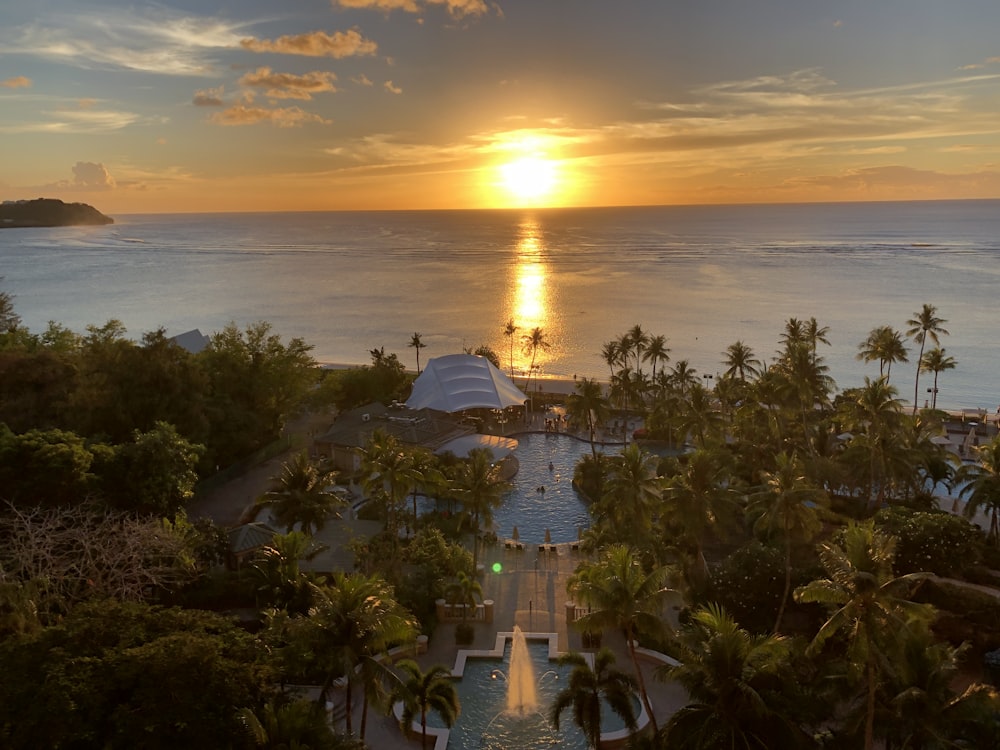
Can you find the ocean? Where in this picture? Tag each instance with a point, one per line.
(703, 276)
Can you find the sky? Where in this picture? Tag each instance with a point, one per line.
(247, 105)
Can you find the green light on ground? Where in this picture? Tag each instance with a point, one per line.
(497, 567)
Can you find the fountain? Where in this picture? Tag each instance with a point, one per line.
(522, 696)
(504, 704)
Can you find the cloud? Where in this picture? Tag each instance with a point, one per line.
(91, 176)
(288, 85)
(457, 8)
(362, 80)
(338, 45)
(17, 82)
(392, 89)
(152, 42)
(282, 117)
(209, 97)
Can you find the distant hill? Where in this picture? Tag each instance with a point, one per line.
(49, 212)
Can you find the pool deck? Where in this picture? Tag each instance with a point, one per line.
(529, 592)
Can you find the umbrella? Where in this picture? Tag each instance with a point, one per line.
(548, 537)
(515, 535)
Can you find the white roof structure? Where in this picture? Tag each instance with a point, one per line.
(457, 382)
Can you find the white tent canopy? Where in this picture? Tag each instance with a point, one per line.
(457, 382)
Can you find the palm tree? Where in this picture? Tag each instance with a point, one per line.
(794, 333)
(509, 331)
(300, 495)
(622, 595)
(656, 351)
(886, 345)
(636, 341)
(869, 606)
(421, 692)
(588, 686)
(480, 489)
(632, 490)
(816, 334)
(532, 343)
(588, 406)
(699, 501)
(924, 325)
(464, 590)
(787, 502)
(936, 361)
(982, 485)
(740, 361)
(388, 475)
(279, 578)
(351, 626)
(873, 411)
(417, 344)
(730, 676)
(282, 724)
(683, 376)
(628, 390)
(611, 353)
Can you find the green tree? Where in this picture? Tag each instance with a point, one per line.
(277, 574)
(656, 352)
(733, 679)
(869, 607)
(981, 484)
(633, 491)
(588, 687)
(740, 361)
(787, 503)
(622, 595)
(588, 406)
(936, 361)
(875, 413)
(301, 494)
(480, 489)
(45, 467)
(510, 330)
(924, 325)
(9, 319)
(531, 344)
(352, 624)
(388, 475)
(282, 724)
(464, 590)
(884, 344)
(416, 343)
(421, 692)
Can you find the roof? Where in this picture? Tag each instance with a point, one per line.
(462, 446)
(457, 382)
(194, 340)
(250, 536)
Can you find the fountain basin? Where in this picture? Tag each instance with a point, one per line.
(488, 721)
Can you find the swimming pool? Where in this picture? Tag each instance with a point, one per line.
(559, 508)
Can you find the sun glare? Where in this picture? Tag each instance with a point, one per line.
(530, 179)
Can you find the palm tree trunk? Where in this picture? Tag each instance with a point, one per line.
(423, 728)
(364, 715)
(642, 682)
(870, 713)
(788, 581)
(916, 381)
(348, 724)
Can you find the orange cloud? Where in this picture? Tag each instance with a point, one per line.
(17, 82)
(289, 86)
(208, 97)
(391, 88)
(338, 45)
(282, 117)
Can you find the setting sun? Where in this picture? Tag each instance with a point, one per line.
(529, 179)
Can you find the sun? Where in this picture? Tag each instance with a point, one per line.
(530, 179)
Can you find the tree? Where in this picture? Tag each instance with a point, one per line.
(46, 467)
(740, 361)
(816, 334)
(875, 413)
(636, 341)
(732, 678)
(480, 489)
(509, 331)
(588, 406)
(9, 320)
(981, 482)
(656, 351)
(301, 494)
(353, 622)
(787, 502)
(388, 475)
(533, 343)
(464, 590)
(612, 354)
(886, 345)
(417, 344)
(280, 581)
(588, 687)
(622, 595)
(420, 692)
(633, 491)
(282, 724)
(924, 325)
(870, 608)
(936, 361)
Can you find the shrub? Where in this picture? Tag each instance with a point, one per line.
(748, 584)
(931, 542)
(464, 633)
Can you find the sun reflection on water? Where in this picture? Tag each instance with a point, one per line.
(531, 304)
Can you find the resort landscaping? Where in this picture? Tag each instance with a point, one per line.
(765, 562)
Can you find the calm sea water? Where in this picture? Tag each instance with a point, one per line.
(348, 282)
